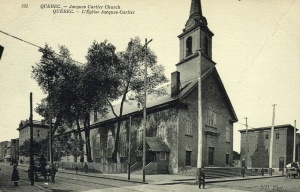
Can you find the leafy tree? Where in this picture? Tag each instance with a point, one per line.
(64, 145)
(100, 80)
(129, 71)
(60, 77)
(38, 147)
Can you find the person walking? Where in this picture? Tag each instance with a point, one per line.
(86, 168)
(15, 176)
(201, 178)
(243, 171)
(262, 171)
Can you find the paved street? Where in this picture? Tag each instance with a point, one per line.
(71, 182)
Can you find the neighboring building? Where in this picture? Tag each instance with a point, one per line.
(40, 131)
(259, 146)
(4, 150)
(15, 149)
(172, 119)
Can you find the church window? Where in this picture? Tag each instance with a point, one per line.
(140, 133)
(97, 147)
(110, 144)
(211, 118)
(189, 46)
(206, 45)
(188, 126)
(123, 144)
(161, 130)
(227, 134)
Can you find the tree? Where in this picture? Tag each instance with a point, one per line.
(100, 80)
(64, 145)
(129, 70)
(60, 77)
(38, 147)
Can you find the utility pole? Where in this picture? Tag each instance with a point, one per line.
(271, 142)
(129, 148)
(200, 130)
(31, 174)
(294, 151)
(247, 146)
(145, 99)
(1, 51)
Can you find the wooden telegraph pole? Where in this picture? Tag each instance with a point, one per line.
(31, 144)
(145, 99)
(271, 142)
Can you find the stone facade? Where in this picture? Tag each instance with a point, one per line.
(173, 117)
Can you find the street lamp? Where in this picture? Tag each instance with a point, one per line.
(145, 99)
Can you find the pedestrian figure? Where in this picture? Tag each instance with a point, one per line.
(15, 176)
(76, 169)
(52, 171)
(201, 178)
(86, 168)
(243, 171)
(262, 171)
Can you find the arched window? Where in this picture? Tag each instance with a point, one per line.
(110, 144)
(188, 125)
(206, 45)
(161, 130)
(227, 134)
(140, 133)
(189, 46)
(123, 143)
(98, 141)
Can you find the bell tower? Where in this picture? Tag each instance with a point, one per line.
(196, 38)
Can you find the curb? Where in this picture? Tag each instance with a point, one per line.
(102, 177)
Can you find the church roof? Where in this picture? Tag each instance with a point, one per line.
(130, 107)
(155, 144)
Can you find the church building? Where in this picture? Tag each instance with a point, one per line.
(173, 119)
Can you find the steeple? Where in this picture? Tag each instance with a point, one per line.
(196, 17)
(195, 36)
(196, 9)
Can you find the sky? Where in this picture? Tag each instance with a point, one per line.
(256, 46)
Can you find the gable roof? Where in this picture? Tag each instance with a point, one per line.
(155, 144)
(130, 107)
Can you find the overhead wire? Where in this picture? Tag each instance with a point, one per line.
(15, 37)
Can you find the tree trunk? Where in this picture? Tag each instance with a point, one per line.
(80, 139)
(117, 138)
(87, 137)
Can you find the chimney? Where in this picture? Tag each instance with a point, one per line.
(175, 83)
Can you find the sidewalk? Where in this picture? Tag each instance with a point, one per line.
(161, 179)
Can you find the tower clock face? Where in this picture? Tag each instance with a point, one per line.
(190, 23)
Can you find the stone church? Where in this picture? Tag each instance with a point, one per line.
(172, 119)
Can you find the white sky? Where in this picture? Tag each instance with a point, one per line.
(256, 47)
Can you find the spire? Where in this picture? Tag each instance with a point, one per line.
(196, 9)
(196, 14)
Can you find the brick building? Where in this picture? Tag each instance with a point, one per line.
(40, 131)
(4, 150)
(259, 146)
(172, 119)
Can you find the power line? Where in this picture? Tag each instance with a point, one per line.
(34, 44)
